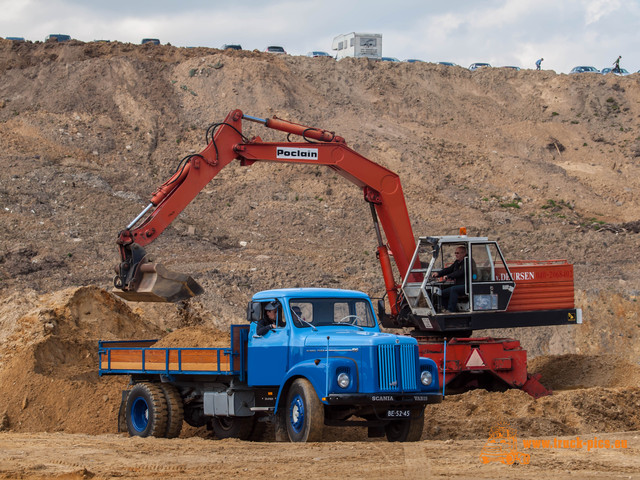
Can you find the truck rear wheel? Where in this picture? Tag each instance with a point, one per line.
(304, 415)
(146, 411)
(409, 430)
(175, 409)
(233, 427)
(258, 433)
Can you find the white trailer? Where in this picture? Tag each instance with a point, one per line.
(357, 45)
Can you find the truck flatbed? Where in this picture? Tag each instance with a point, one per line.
(139, 356)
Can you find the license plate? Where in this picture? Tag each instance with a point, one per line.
(398, 413)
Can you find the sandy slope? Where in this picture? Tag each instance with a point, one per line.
(546, 163)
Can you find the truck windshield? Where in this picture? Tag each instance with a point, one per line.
(321, 312)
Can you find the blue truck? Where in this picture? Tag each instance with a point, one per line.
(323, 361)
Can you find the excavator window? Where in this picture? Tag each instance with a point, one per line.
(489, 263)
(490, 278)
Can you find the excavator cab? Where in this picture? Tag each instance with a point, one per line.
(488, 284)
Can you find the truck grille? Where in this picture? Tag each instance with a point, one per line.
(397, 368)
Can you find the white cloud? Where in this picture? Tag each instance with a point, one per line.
(596, 9)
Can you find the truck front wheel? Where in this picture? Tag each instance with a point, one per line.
(409, 430)
(233, 427)
(146, 411)
(304, 416)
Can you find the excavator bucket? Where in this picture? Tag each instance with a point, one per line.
(156, 283)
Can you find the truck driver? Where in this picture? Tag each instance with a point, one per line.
(269, 320)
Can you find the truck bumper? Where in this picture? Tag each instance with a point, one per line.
(382, 399)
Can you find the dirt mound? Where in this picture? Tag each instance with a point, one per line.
(195, 337)
(49, 364)
(592, 393)
(49, 357)
(474, 414)
(571, 371)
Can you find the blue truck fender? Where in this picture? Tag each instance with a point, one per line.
(316, 373)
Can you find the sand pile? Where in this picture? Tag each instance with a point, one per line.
(49, 365)
(195, 337)
(598, 393)
(473, 414)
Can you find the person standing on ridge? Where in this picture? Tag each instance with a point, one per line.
(538, 63)
(616, 64)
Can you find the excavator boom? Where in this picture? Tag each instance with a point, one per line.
(139, 278)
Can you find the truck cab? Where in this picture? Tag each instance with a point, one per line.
(330, 339)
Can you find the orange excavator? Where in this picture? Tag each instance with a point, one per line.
(491, 293)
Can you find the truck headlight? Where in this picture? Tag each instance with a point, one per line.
(426, 378)
(343, 380)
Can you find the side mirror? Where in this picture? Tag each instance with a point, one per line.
(254, 310)
(381, 310)
(383, 318)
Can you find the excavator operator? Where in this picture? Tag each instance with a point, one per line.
(455, 272)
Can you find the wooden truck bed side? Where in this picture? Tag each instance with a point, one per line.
(139, 356)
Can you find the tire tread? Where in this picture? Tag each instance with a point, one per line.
(175, 409)
(157, 405)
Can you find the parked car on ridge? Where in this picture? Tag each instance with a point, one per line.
(448, 64)
(476, 66)
(231, 46)
(153, 41)
(57, 37)
(583, 69)
(623, 72)
(316, 53)
(511, 67)
(275, 49)
(15, 39)
(413, 60)
(389, 59)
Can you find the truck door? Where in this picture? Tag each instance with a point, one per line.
(268, 355)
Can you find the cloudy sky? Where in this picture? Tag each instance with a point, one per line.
(502, 32)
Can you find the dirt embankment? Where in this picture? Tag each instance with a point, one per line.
(546, 164)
